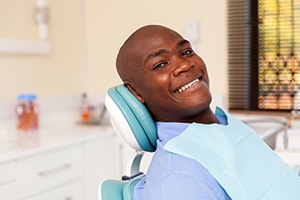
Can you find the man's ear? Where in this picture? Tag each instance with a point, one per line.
(135, 92)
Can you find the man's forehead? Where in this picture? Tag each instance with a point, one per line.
(149, 39)
(143, 42)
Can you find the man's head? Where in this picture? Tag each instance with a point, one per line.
(161, 69)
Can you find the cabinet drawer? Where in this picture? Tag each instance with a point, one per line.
(40, 172)
(72, 191)
(8, 191)
(7, 172)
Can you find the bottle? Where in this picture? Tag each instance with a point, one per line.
(27, 112)
(85, 109)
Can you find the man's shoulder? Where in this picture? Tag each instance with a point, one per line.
(165, 163)
(172, 172)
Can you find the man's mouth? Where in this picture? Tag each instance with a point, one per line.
(188, 85)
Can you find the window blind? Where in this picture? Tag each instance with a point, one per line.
(239, 53)
(263, 54)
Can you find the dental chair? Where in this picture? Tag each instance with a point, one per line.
(132, 121)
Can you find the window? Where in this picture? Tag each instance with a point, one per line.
(264, 49)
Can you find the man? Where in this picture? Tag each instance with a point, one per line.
(200, 155)
(161, 69)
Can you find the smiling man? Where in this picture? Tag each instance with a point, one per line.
(163, 72)
(200, 155)
(161, 69)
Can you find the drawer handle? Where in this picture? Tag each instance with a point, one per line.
(68, 198)
(51, 171)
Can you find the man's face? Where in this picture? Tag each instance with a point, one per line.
(171, 78)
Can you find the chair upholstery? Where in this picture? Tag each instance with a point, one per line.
(132, 121)
(118, 189)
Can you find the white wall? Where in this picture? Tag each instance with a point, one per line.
(56, 73)
(109, 23)
(86, 34)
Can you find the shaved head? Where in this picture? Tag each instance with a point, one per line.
(130, 57)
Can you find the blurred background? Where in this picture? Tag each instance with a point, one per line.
(84, 37)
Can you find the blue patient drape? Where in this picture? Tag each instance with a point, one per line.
(238, 159)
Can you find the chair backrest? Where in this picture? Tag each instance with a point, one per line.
(132, 121)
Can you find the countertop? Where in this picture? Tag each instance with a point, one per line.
(22, 144)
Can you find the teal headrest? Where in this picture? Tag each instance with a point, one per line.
(131, 119)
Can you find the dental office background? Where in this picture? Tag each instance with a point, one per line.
(59, 49)
(84, 38)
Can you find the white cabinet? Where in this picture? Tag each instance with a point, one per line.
(7, 172)
(7, 181)
(105, 158)
(70, 191)
(99, 164)
(48, 170)
(65, 166)
(8, 190)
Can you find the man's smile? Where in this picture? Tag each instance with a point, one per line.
(188, 85)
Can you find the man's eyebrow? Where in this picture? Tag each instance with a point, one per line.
(162, 51)
(182, 42)
(156, 53)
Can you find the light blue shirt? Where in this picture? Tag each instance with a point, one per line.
(174, 177)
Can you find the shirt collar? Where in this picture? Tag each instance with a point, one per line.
(169, 130)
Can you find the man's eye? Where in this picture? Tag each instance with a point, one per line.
(187, 52)
(159, 65)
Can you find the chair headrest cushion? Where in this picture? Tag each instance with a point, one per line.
(131, 119)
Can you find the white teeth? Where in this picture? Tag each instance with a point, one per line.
(188, 85)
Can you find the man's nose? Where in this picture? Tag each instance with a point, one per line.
(181, 66)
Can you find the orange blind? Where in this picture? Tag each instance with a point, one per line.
(279, 51)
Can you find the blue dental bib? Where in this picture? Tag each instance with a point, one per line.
(238, 159)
